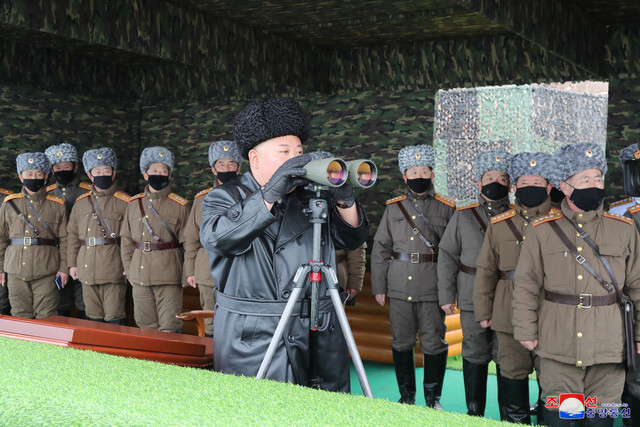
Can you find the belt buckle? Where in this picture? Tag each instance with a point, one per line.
(580, 260)
(582, 296)
(92, 241)
(414, 257)
(146, 246)
(27, 241)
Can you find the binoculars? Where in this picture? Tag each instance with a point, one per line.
(335, 172)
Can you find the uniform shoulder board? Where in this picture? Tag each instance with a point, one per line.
(621, 202)
(618, 217)
(178, 199)
(504, 215)
(467, 205)
(552, 215)
(7, 192)
(122, 196)
(138, 196)
(634, 209)
(13, 196)
(203, 192)
(83, 196)
(446, 200)
(85, 185)
(51, 187)
(396, 200)
(55, 199)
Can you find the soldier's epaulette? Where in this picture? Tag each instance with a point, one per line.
(3, 191)
(51, 187)
(504, 215)
(13, 196)
(83, 196)
(446, 200)
(203, 192)
(467, 205)
(618, 217)
(396, 199)
(85, 185)
(178, 199)
(552, 215)
(634, 209)
(122, 196)
(620, 202)
(137, 196)
(55, 199)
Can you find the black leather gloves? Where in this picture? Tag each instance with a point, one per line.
(343, 194)
(286, 178)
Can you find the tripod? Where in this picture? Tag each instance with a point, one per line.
(318, 212)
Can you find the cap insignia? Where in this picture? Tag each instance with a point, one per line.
(589, 153)
(417, 155)
(59, 154)
(161, 154)
(636, 154)
(225, 148)
(533, 163)
(30, 160)
(99, 156)
(498, 158)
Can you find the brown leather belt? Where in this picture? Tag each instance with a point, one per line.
(415, 257)
(468, 269)
(582, 300)
(508, 275)
(28, 241)
(340, 258)
(99, 241)
(150, 246)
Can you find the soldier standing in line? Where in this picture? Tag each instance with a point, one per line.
(64, 167)
(403, 266)
(5, 307)
(94, 240)
(350, 271)
(575, 258)
(493, 286)
(33, 242)
(629, 159)
(152, 232)
(459, 249)
(225, 160)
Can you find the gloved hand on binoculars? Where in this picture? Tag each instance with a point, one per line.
(286, 178)
(343, 194)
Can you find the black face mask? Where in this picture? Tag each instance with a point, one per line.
(556, 195)
(225, 177)
(158, 182)
(587, 199)
(495, 191)
(103, 182)
(531, 196)
(64, 177)
(419, 185)
(33, 184)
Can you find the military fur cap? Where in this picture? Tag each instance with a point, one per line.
(61, 153)
(494, 160)
(570, 159)
(99, 157)
(224, 150)
(37, 161)
(416, 155)
(530, 164)
(269, 118)
(151, 155)
(630, 153)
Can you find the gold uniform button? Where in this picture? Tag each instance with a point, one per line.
(29, 216)
(88, 229)
(579, 215)
(526, 223)
(579, 334)
(24, 263)
(525, 212)
(579, 276)
(85, 266)
(580, 225)
(409, 299)
(579, 363)
(142, 267)
(410, 278)
(410, 238)
(579, 248)
(577, 234)
(413, 217)
(26, 231)
(24, 278)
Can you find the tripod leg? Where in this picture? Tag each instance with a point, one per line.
(351, 343)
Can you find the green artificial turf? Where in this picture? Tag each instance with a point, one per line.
(48, 385)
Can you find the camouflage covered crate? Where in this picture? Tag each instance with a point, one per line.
(513, 118)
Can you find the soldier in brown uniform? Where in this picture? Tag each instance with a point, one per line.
(5, 307)
(577, 327)
(403, 266)
(64, 167)
(94, 240)
(350, 271)
(459, 248)
(225, 160)
(152, 232)
(33, 242)
(493, 286)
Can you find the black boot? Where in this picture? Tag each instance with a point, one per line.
(500, 387)
(475, 387)
(515, 400)
(434, 368)
(552, 418)
(404, 364)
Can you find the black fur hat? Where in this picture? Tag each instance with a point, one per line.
(269, 118)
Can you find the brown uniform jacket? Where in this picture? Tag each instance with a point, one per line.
(460, 245)
(351, 267)
(162, 267)
(196, 257)
(33, 261)
(69, 192)
(566, 333)
(403, 279)
(98, 264)
(500, 252)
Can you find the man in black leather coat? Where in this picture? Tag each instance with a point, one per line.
(257, 236)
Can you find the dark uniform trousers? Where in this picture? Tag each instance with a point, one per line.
(156, 307)
(33, 299)
(208, 302)
(4, 299)
(409, 318)
(479, 344)
(105, 301)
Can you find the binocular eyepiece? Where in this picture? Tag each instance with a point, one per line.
(335, 172)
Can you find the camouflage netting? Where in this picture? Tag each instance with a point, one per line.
(513, 118)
